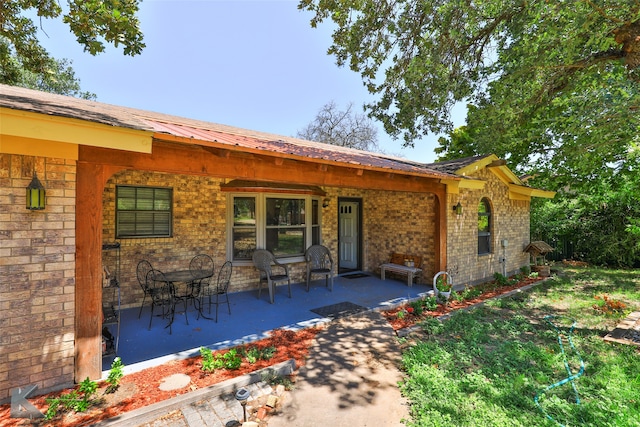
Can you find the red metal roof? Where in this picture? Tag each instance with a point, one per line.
(294, 147)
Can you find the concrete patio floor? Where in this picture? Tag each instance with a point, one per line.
(251, 318)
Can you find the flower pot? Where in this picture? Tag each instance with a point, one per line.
(543, 270)
(445, 295)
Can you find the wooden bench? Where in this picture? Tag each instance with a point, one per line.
(398, 265)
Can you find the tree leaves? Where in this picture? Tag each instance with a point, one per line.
(93, 22)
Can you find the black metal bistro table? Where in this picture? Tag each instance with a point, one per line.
(185, 285)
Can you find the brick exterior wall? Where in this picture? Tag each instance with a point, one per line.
(37, 275)
(393, 222)
(509, 220)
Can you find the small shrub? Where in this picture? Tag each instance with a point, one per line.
(115, 375)
(430, 303)
(229, 360)
(207, 359)
(500, 279)
(416, 306)
(525, 270)
(76, 400)
(253, 354)
(471, 293)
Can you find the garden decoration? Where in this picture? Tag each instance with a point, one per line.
(538, 250)
(571, 376)
(442, 284)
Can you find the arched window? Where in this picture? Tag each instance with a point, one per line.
(484, 227)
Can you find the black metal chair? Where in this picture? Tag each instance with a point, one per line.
(161, 293)
(266, 263)
(221, 290)
(319, 262)
(201, 267)
(142, 270)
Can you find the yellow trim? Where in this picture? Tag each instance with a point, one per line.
(454, 186)
(35, 126)
(509, 176)
(531, 192)
(36, 147)
(476, 166)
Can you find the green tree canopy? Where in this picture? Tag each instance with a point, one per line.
(551, 83)
(93, 22)
(60, 78)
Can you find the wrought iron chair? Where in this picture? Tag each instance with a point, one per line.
(266, 263)
(161, 292)
(201, 267)
(142, 270)
(221, 289)
(319, 261)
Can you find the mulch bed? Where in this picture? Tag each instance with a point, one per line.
(488, 291)
(140, 389)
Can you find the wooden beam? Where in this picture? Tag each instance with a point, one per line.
(193, 160)
(90, 182)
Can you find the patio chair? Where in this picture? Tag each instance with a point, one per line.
(161, 293)
(319, 261)
(266, 263)
(220, 291)
(142, 270)
(201, 266)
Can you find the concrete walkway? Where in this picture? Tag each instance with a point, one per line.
(351, 378)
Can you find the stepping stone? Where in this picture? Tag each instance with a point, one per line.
(174, 382)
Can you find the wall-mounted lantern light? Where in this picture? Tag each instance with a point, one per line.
(35, 194)
(458, 209)
(325, 203)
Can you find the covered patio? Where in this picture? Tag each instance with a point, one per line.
(251, 318)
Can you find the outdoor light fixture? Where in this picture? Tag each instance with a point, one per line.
(458, 209)
(35, 194)
(242, 395)
(325, 203)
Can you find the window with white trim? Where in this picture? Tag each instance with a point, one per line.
(284, 224)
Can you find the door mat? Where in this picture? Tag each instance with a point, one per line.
(355, 275)
(341, 309)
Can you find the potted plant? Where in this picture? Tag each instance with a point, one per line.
(442, 285)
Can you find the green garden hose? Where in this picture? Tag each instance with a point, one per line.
(571, 376)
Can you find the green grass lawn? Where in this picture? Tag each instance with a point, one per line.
(484, 367)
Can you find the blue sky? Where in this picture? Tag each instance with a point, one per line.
(252, 64)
